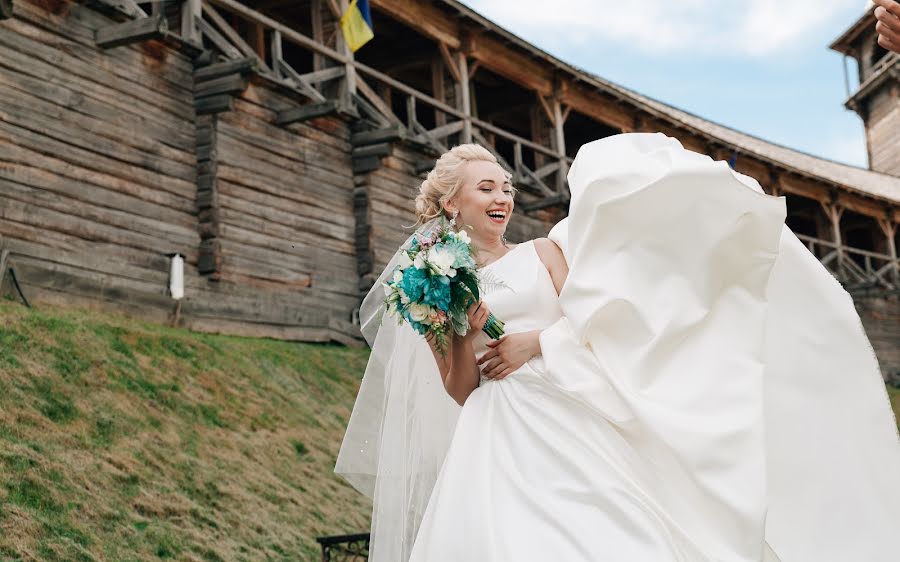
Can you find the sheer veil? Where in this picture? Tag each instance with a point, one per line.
(400, 427)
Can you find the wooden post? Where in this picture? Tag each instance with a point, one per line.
(191, 11)
(890, 231)
(277, 53)
(464, 96)
(437, 89)
(559, 143)
(834, 213)
(318, 33)
(348, 84)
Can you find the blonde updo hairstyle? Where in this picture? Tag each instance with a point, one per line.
(445, 179)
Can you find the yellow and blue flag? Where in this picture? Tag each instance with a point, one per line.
(356, 23)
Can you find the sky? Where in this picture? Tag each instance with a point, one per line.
(762, 67)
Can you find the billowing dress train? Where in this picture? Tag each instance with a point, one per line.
(705, 392)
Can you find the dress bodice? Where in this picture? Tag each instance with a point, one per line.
(522, 296)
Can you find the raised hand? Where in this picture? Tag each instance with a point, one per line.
(888, 27)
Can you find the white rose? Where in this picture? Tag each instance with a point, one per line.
(441, 259)
(398, 276)
(403, 261)
(420, 260)
(463, 236)
(403, 298)
(419, 312)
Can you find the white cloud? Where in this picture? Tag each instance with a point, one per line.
(755, 28)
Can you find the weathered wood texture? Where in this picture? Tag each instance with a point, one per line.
(105, 168)
(881, 320)
(97, 164)
(883, 129)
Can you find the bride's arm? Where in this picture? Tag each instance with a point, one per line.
(457, 366)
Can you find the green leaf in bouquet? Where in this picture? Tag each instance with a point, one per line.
(471, 282)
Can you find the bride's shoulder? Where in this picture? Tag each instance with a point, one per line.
(554, 260)
(548, 251)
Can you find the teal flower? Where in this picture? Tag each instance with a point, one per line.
(413, 283)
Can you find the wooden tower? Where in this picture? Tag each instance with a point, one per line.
(876, 99)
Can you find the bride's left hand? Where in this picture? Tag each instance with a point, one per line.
(509, 353)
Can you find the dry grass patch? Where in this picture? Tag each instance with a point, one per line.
(121, 440)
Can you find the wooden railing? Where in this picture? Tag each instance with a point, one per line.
(856, 269)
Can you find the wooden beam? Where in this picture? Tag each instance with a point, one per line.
(240, 66)
(218, 40)
(425, 17)
(465, 101)
(296, 80)
(134, 31)
(450, 62)
(232, 35)
(306, 112)
(191, 12)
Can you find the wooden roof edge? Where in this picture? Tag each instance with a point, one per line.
(680, 123)
(627, 96)
(843, 44)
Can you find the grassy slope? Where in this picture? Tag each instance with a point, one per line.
(121, 440)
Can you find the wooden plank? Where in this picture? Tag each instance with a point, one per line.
(232, 35)
(305, 112)
(221, 43)
(229, 84)
(296, 80)
(245, 65)
(214, 104)
(112, 142)
(72, 160)
(96, 76)
(129, 32)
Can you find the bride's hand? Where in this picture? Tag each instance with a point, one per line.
(477, 313)
(509, 353)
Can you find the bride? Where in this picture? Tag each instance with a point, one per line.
(680, 380)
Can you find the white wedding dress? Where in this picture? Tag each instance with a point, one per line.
(534, 471)
(705, 392)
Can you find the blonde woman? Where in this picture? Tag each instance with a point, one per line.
(680, 380)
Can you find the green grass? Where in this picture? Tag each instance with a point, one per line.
(123, 440)
(894, 395)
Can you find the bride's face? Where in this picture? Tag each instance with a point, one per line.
(484, 200)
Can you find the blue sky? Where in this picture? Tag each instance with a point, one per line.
(760, 66)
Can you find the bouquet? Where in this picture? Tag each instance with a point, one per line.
(434, 283)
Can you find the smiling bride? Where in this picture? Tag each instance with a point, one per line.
(680, 380)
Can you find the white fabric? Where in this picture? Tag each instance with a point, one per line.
(401, 424)
(706, 390)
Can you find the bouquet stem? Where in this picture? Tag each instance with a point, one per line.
(493, 327)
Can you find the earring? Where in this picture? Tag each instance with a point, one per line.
(453, 220)
(503, 240)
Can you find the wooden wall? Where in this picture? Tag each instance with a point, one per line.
(97, 164)
(99, 169)
(881, 320)
(883, 129)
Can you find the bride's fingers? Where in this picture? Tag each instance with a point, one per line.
(491, 366)
(503, 374)
(487, 356)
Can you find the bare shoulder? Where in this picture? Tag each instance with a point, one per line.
(554, 260)
(549, 252)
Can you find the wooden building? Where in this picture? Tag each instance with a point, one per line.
(248, 138)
